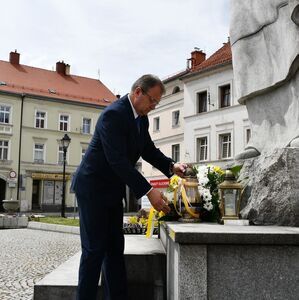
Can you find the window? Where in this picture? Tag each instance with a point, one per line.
(175, 118)
(176, 89)
(40, 119)
(39, 153)
(60, 155)
(4, 114)
(201, 102)
(83, 152)
(225, 96)
(3, 150)
(248, 135)
(157, 124)
(225, 145)
(176, 152)
(86, 125)
(202, 148)
(63, 122)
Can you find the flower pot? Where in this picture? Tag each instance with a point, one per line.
(11, 206)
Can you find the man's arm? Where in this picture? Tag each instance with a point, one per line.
(113, 134)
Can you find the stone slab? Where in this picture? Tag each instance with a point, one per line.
(253, 272)
(54, 227)
(204, 233)
(13, 222)
(146, 272)
(236, 222)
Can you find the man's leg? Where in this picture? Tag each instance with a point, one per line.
(114, 271)
(93, 231)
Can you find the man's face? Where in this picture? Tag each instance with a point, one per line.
(146, 101)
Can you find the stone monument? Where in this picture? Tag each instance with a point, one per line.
(265, 47)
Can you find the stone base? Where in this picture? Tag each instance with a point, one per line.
(236, 222)
(212, 261)
(146, 273)
(272, 194)
(13, 222)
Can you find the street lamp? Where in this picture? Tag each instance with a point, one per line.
(65, 141)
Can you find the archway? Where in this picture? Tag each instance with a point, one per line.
(2, 192)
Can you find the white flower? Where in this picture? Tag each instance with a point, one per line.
(208, 206)
(211, 169)
(207, 195)
(203, 181)
(203, 171)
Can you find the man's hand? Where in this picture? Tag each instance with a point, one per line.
(157, 200)
(179, 169)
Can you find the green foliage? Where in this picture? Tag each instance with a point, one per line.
(57, 220)
(236, 170)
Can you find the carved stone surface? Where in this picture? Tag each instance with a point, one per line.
(265, 48)
(272, 194)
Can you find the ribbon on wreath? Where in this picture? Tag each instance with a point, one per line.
(152, 215)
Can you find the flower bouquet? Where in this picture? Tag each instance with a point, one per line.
(209, 177)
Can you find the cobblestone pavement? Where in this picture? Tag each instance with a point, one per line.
(27, 255)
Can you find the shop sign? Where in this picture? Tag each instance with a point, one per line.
(159, 183)
(50, 176)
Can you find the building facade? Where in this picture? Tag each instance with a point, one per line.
(213, 127)
(167, 128)
(216, 125)
(37, 107)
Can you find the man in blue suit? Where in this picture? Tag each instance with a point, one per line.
(121, 136)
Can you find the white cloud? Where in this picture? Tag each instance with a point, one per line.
(123, 39)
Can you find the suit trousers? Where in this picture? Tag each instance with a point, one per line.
(102, 242)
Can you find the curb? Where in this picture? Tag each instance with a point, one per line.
(53, 227)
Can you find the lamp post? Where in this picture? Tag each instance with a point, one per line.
(65, 141)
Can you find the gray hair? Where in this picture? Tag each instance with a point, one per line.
(148, 81)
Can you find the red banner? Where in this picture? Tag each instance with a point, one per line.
(159, 183)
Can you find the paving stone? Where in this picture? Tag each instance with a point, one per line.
(27, 255)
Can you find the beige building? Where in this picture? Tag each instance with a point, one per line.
(37, 107)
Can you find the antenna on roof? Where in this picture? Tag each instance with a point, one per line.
(196, 48)
(99, 74)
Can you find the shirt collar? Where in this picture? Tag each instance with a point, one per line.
(133, 109)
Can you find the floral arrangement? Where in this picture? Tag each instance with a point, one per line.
(209, 177)
(139, 224)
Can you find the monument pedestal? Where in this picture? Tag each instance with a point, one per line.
(211, 261)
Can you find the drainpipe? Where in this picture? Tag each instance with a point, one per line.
(20, 145)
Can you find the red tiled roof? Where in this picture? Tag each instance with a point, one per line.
(40, 82)
(221, 56)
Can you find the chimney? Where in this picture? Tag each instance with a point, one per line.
(197, 57)
(67, 69)
(14, 58)
(62, 68)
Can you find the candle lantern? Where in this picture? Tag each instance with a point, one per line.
(189, 198)
(230, 197)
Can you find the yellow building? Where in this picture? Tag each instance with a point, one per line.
(37, 107)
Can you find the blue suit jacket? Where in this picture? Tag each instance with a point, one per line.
(109, 162)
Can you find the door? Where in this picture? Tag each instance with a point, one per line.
(35, 194)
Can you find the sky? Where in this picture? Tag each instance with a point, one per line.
(115, 41)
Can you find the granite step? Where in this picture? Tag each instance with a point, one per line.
(146, 272)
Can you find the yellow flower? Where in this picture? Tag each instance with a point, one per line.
(142, 221)
(161, 214)
(133, 220)
(174, 181)
(218, 170)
